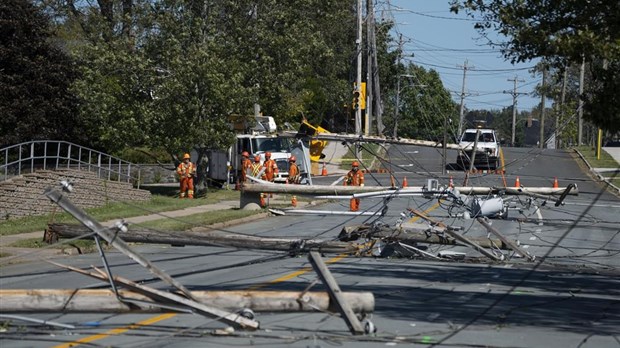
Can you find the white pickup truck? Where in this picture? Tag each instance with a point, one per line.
(487, 149)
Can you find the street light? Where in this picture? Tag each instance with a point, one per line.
(396, 110)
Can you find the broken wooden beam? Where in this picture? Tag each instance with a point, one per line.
(513, 245)
(111, 237)
(138, 234)
(335, 293)
(457, 236)
(104, 300)
(413, 233)
(165, 298)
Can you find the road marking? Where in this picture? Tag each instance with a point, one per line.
(416, 218)
(170, 315)
(117, 331)
(295, 274)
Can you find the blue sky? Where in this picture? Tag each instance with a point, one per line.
(442, 41)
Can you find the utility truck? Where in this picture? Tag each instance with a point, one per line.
(256, 139)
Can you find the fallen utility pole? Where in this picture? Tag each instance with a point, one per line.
(104, 300)
(211, 238)
(351, 190)
(335, 293)
(457, 236)
(512, 244)
(352, 138)
(111, 237)
(172, 298)
(122, 246)
(413, 235)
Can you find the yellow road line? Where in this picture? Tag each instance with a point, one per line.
(170, 315)
(416, 218)
(117, 331)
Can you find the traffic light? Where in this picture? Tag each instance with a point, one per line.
(359, 97)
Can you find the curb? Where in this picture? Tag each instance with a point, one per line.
(597, 174)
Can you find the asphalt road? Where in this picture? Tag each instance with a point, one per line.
(568, 297)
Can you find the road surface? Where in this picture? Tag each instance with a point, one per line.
(568, 297)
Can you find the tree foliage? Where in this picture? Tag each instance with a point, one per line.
(564, 33)
(424, 103)
(35, 77)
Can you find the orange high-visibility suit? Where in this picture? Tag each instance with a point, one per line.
(271, 168)
(186, 171)
(293, 173)
(354, 178)
(246, 166)
(256, 167)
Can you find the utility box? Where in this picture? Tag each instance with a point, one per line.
(218, 165)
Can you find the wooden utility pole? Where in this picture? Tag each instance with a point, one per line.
(462, 106)
(335, 293)
(582, 71)
(558, 132)
(397, 106)
(358, 79)
(369, 51)
(515, 94)
(212, 238)
(542, 108)
(104, 300)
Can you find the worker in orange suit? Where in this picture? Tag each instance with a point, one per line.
(293, 171)
(256, 166)
(186, 171)
(271, 168)
(354, 178)
(246, 166)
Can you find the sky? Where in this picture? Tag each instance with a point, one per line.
(435, 38)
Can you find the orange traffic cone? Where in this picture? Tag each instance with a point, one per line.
(555, 182)
(354, 204)
(405, 184)
(451, 183)
(294, 201)
(517, 182)
(262, 200)
(324, 171)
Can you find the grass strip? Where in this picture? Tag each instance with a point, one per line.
(606, 161)
(117, 210)
(176, 225)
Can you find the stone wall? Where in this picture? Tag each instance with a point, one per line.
(23, 195)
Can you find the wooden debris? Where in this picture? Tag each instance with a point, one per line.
(335, 293)
(163, 296)
(213, 238)
(104, 300)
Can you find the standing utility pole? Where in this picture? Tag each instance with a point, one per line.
(561, 114)
(542, 108)
(462, 108)
(358, 79)
(514, 107)
(370, 49)
(580, 111)
(400, 48)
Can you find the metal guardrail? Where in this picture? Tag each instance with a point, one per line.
(53, 154)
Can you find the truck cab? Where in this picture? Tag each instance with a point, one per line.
(258, 144)
(487, 148)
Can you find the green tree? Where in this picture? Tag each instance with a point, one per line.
(424, 103)
(563, 33)
(35, 77)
